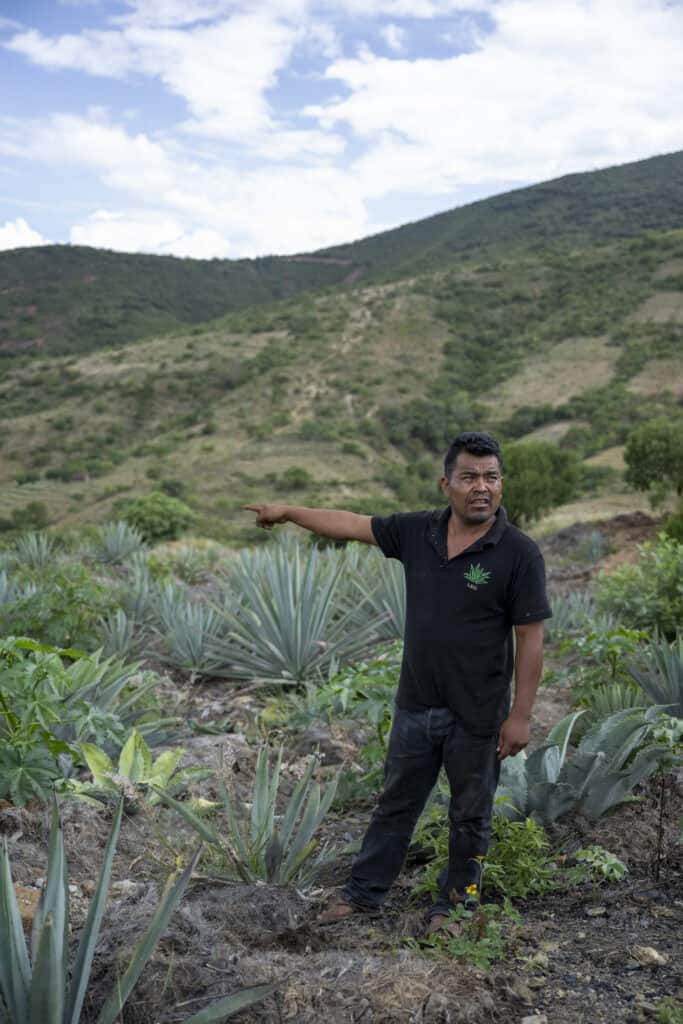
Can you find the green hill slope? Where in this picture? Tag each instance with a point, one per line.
(347, 396)
(62, 299)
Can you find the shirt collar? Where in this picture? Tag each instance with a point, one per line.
(439, 532)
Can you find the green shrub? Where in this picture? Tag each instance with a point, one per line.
(62, 606)
(647, 595)
(157, 516)
(51, 699)
(295, 478)
(538, 476)
(654, 457)
(673, 525)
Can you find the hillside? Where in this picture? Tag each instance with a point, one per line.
(68, 299)
(346, 397)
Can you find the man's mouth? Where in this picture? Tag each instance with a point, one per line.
(480, 503)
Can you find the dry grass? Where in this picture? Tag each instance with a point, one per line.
(658, 376)
(568, 369)
(661, 308)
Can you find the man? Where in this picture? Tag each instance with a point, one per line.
(471, 578)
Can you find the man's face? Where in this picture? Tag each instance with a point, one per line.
(475, 488)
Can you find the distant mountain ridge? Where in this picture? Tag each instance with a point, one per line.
(61, 299)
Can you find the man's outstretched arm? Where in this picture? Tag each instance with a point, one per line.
(326, 522)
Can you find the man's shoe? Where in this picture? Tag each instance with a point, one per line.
(337, 908)
(446, 925)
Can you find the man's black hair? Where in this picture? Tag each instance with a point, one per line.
(474, 443)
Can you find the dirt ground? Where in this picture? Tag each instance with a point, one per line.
(574, 958)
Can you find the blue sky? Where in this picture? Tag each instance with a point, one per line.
(215, 128)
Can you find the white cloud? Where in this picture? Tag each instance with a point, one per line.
(146, 232)
(550, 89)
(18, 234)
(394, 36)
(556, 88)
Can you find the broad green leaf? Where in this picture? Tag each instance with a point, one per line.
(101, 768)
(164, 766)
(135, 762)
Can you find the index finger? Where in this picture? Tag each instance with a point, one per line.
(252, 508)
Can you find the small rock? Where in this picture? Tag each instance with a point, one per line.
(560, 993)
(596, 911)
(537, 982)
(126, 887)
(580, 936)
(534, 1018)
(539, 960)
(648, 956)
(27, 901)
(521, 990)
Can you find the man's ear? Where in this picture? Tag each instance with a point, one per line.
(443, 484)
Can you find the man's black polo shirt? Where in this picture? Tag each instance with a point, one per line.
(458, 649)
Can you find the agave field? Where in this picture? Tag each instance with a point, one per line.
(191, 743)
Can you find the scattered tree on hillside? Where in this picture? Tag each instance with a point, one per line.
(538, 476)
(654, 458)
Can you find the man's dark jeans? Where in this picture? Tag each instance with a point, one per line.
(420, 743)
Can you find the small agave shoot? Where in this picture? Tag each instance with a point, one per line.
(266, 847)
(45, 988)
(137, 775)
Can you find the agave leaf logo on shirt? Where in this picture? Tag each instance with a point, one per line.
(475, 576)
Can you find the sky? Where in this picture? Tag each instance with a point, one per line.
(217, 128)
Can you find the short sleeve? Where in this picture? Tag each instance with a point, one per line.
(528, 601)
(387, 532)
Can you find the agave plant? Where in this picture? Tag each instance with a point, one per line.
(190, 632)
(266, 848)
(35, 550)
(8, 591)
(291, 618)
(44, 988)
(570, 614)
(137, 595)
(117, 634)
(381, 585)
(659, 673)
(117, 542)
(611, 759)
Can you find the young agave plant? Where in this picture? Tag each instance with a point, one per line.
(137, 775)
(659, 673)
(118, 541)
(267, 848)
(44, 988)
(613, 757)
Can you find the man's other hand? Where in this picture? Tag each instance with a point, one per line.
(513, 735)
(268, 515)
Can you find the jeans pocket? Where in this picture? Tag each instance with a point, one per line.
(409, 734)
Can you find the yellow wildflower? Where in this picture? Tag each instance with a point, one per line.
(472, 890)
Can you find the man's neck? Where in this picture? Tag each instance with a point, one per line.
(464, 531)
